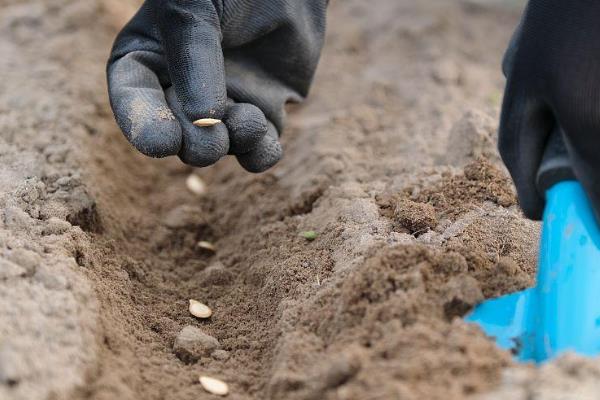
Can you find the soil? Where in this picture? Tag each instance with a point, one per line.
(391, 161)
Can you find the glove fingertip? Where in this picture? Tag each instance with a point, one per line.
(247, 126)
(531, 203)
(204, 146)
(159, 141)
(152, 131)
(259, 164)
(264, 156)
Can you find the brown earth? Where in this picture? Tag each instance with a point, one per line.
(391, 161)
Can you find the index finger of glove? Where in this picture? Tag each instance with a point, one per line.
(191, 35)
(201, 146)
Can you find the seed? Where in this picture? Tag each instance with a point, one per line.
(199, 310)
(202, 122)
(195, 184)
(214, 386)
(208, 246)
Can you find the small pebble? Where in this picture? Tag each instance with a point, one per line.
(199, 310)
(195, 184)
(214, 386)
(184, 216)
(192, 343)
(221, 355)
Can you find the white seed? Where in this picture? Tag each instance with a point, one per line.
(195, 184)
(214, 386)
(199, 310)
(202, 122)
(206, 246)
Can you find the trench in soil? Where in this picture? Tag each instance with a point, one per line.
(393, 81)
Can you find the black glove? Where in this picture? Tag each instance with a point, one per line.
(240, 61)
(553, 71)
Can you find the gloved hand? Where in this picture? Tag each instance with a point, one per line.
(240, 61)
(553, 71)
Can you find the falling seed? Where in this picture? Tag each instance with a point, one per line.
(202, 122)
(309, 235)
(195, 184)
(208, 246)
(214, 386)
(199, 310)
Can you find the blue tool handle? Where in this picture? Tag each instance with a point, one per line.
(568, 282)
(569, 266)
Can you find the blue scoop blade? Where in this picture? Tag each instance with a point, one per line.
(507, 320)
(562, 312)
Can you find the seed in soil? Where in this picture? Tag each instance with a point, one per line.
(195, 184)
(214, 386)
(203, 122)
(309, 235)
(206, 246)
(199, 310)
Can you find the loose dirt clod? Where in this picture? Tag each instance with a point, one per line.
(214, 386)
(215, 275)
(199, 310)
(415, 217)
(461, 293)
(195, 184)
(204, 122)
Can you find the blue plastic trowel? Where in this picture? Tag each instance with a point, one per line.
(562, 312)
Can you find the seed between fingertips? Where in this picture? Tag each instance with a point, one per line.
(199, 310)
(202, 122)
(214, 386)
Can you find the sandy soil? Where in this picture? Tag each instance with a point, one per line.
(392, 162)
